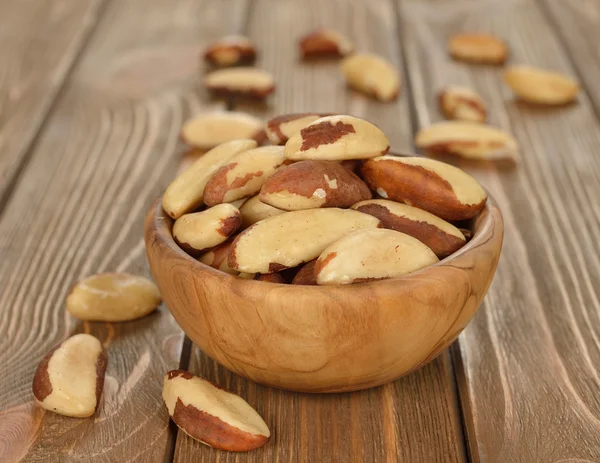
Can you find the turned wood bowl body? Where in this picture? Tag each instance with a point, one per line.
(324, 338)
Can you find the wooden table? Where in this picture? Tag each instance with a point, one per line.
(92, 96)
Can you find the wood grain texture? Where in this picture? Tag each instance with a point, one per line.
(39, 42)
(531, 355)
(415, 418)
(110, 147)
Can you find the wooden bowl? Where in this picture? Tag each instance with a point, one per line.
(324, 338)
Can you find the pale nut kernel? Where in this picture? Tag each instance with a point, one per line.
(199, 231)
(70, 378)
(478, 48)
(540, 86)
(372, 75)
(185, 193)
(231, 50)
(337, 138)
(217, 258)
(325, 43)
(243, 175)
(242, 81)
(311, 184)
(281, 128)
(289, 239)
(209, 130)
(113, 297)
(444, 190)
(441, 237)
(462, 103)
(372, 254)
(212, 415)
(468, 140)
(254, 210)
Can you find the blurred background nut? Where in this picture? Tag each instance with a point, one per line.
(209, 130)
(462, 103)
(231, 50)
(478, 48)
(241, 81)
(281, 128)
(324, 43)
(539, 86)
(372, 75)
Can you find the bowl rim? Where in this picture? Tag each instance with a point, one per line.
(159, 222)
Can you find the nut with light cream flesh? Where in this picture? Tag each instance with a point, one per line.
(217, 258)
(209, 130)
(462, 103)
(243, 175)
(441, 237)
(540, 86)
(113, 297)
(337, 138)
(312, 184)
(231, 50)
(70, 378)
(325, 43)
(212, 415)
(254, 210)
(200, 231)
(434, 186)
(243, 81)
(478, 48)
(373, 254)
(289, 239)
(372, 75)
(281, 128)
(185, 193)
(468, 140)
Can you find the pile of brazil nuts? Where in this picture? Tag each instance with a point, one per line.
(326, 205)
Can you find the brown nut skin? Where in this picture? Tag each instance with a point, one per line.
(462, 103)
(431, 185)
(215, 417)
(217, 258)
(441, 237)
(242, 82)
(478, 48)
(324, 43)
(70, 378)
(306, 275)
(231, 50)
(311, 184)
(270, 277)
(281, 128)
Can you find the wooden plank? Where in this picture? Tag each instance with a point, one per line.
(413, 419)
(110, 147)
(39, 42)
(578, 24)
(530, 358)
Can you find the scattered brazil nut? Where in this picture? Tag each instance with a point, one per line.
(371, 254)
(254, 210)
(324, 43)
(337, 138)
(113, 297)
(209, 130)
(539, 86)
(478, 48)
(212, 415)
(70, 378)
(217, 258)
(372, 75)
(311, 184)
(199, 231)
(289, 239)
(240, 81)
(462, 103)
(434, 186)
(231, 50)
(185, 193)
(306, 275)
(441, 237)
(243, 175)
(281, 128)
(468, 140)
